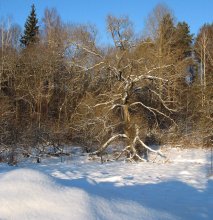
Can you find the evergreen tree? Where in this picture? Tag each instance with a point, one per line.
(183, 40)
(31, 29)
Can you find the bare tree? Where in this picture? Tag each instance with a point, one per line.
(121, 30)
(203, 52)
(120, 108)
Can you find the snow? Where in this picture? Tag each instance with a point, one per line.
(175, 188)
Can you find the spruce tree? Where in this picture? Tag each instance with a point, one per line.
(31, 29)
(184, 39)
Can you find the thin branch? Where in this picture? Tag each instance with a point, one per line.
(154, 110)
(88, 50)
(162, 101)
(123, 151)
(147, 76)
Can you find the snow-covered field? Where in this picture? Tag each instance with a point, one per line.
(178, 188)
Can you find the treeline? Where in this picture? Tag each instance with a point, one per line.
(59, 86)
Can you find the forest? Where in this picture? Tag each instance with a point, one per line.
(60, 86)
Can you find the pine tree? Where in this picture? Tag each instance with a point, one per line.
(31, 29)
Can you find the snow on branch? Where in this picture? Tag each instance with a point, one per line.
(162, 101)
(150, 149)
(150, 77)
(153, 110)
(108, 142)
(88, 50)
(137, 138)
(88, 68)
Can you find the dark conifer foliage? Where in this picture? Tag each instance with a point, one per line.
(184, 38)
(31, 29)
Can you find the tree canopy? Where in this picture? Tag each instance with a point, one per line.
(31, 31)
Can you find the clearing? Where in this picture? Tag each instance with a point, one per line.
(80, 189)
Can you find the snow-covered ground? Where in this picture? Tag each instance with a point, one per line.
(174, 188)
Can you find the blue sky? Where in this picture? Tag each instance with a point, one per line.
(194, 12)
